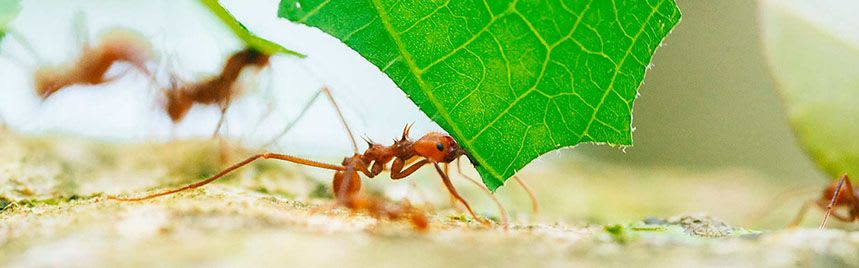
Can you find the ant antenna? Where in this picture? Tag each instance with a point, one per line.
(833, 201)
(327, 93)
(505, 220)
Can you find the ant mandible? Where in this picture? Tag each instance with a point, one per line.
(431, 149)
(838, 194)
(220, 89)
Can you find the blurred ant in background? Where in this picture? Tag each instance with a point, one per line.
(219, 90)
(92, 65)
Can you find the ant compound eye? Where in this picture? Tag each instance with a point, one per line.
(439, 146)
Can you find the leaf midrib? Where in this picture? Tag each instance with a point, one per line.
(415, 71)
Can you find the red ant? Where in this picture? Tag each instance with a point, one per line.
(218, 90)
(405, 156)
(324, 91)
(92, 65)
(838, 194)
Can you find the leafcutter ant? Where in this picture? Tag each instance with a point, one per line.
(219, 90)
(836, 196)
(117, 45)
(405, 157)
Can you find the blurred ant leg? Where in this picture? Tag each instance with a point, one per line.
(80, 29)
(282, 157)
(802, 211)
(413, 186)
(224, 108)
(294, 121)
(446, 180)
(833, 202)
(535, 205)
(269, 105)
(327, 92)
(115, 77)
(505, 220)
(754, 217)
(26, 45)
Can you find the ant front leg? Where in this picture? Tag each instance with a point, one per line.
(849, 199)
(453, 192)
(504, 217)
(397, 171)
(224, 106)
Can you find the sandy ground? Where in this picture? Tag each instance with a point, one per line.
(55, 213)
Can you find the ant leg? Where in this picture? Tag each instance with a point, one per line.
(80, 29)
(26, 45)
(802, 211)
(535, 205)
(504, 218)
(217, 130)
(294, 121)
(283, 157)
(269, 104)
(115, 77)
(224, 108)
(780, 199)
(327, 92)
(453, 192)
(397, 171)
(450, 199)
(834, 200)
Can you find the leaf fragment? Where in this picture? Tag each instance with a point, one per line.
(509, 80)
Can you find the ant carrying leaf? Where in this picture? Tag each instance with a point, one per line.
(92, 65)
(219, 90)
(405, 157)
(839, 194)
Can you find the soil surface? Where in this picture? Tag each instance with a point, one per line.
(55, 213)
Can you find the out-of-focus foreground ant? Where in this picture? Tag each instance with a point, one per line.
(220, 89)
(405, 156)
(838, 195)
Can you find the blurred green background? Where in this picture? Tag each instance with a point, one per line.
(710, 100)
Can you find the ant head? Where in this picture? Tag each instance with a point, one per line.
(254, 57)
(47, 81)
(176, 104)
(438, 147)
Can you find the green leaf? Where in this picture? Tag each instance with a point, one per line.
(8, 11)
(242, 32)
(509, 80)
(813, 51)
